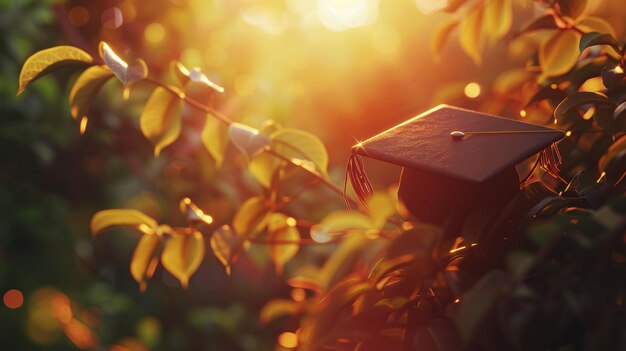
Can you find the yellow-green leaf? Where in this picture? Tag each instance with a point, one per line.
(596, 24)
(127, 74)
(145, 259)
(262, 167)
(381, 206)
(298, 144)
(85, 89)
(440, 38)
(471, 34)
(282, 228)
(251, 217)
(215, 138)
(226, 244)
(498, 18)
(277, 308)
(106, 219)
(160, 120)
(182, 255)
(559, 53)
(45, 61)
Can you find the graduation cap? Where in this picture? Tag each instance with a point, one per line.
(454, 160)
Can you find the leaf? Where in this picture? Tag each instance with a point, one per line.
(215, 139)
(127, 74)
(579, 99)
(48, 60)
(386, 266)
(541, 23)
(381, 206)
(182, 255)
(160, 120)
(282, 228)
(145, 259)
(247, 139)
(454, 5)
(470, 34)
(85, 89)
(619, 110)
(572, 8)
(441, 36)
(340, 263)
(251, 217)
(614, 150)
(498, 18)
(263, 167)
(298, 144)
(197, 76)
(226, 244)
(511, 80)
(596, 24)
(180, 73)
(107, 219)
(277, 308)
(340, 221)
(559, 53)
(594, 39)
(604, 118)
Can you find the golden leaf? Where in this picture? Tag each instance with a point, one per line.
(182, 255)
(559, 53)
(226, 244)
(298, 144)
(471, 34)
(381, 206)
(263, 168)
(85, 89)
(596, 24)
(251, 217)
(215, 138)
(280, 228)
(145, 259)
(277, 308)
(498, 18)
(106, 219)
(45, 61)
(440, 37)
(160, 120)
(127, 74)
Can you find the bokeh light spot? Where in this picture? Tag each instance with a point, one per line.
(112, 18)
(320, 234)
(288, 340)
(472, 90)
(522, 113)
(78, 16)
(13, 299)
(338, 15)
(154, 33)
(298, 294)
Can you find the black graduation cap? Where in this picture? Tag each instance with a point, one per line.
(455, 160)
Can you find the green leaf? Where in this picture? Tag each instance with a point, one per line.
(251, 217)
(48, 60)
(579, 99)
(127, 74)
(160, 120)
(441, 36)
(182, 255)
(594, 39)
(145, 259)
(215, 139)
(471, 34)
(282, 228)
(559, 53)
(107, 219)
(301, 145)
(247, 139)
(85, 89)
(226, 244)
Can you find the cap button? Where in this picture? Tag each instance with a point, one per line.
(457, 135)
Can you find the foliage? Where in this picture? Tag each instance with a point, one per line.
(525, 276)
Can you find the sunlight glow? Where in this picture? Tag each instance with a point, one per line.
(428, 7)
(338, 15)
(154, 33)
(472, 90)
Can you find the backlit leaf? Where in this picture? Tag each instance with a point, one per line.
(85, 89)
(510, 80)
(182, 255)
(596, 24)
(226, 244)
(45, 61)
(106, 219)
(341, 261)
(281, 228)
(559, 53)
(127, 74)
(498, 18)
(346, 220)
(247, 139)
(215, 138)
(579, 99)
(277, 308)
(298, 144)
(381, 206)
(263, 167)
(471, 34)
(160, 120)
(441, 36)
(180, 73)
(251, 217)
(145, 259)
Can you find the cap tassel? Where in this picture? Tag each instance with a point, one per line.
(550, 160)
(355, 172)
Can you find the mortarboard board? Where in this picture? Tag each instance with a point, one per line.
(454, 160)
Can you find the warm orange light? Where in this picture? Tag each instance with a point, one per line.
(522, 113)
(472, 90)
(338, 15)
(154, 33)
(601, 177)
(298, 294)
(78, 16)
(618, 69)
(589, 113)
(291, 222)
(458, 249)
(288, 340)
(428, 7)
(83, 124)
(13, 299)
(568, 133)
(457, 300)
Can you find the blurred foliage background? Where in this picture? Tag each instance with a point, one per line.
(342, 70)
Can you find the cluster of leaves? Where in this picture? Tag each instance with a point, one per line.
(393, 283)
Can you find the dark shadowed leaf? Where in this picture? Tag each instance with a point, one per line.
(594, 39)
(579, 99)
